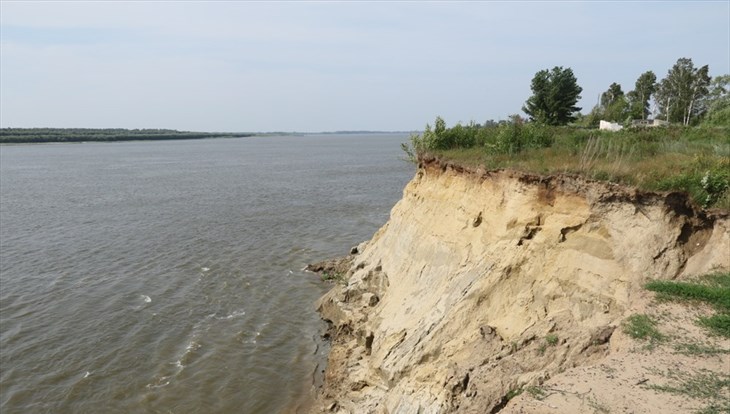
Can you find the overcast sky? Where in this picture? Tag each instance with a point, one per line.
(324, 66)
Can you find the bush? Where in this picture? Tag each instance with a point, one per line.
(509, 137)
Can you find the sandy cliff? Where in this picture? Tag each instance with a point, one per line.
(447, 308)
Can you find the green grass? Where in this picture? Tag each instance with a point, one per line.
(335, 277)
(536, 392)
(643, 327)
(710, 387)
(541, 349)
(689, 159)
(513, 393)
(713, 289)
(551, 339)
(698, 349)
(719, 324)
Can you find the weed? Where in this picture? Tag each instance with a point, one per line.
(694, 348)
(551, 339)
(335, 277)
(597, 406)
(536, 393)
(642, 327)
(705, 385)
(541, 349)
(513, 393)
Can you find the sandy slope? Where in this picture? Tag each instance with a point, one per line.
(454, 303)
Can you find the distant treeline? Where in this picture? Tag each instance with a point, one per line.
(30, 135)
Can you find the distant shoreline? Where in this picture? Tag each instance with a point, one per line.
(79, 135)
(61, 135)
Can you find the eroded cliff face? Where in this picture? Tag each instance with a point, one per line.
(447, 308)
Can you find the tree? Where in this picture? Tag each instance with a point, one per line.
(612, 95)
(644, 87)
(613, 105)
(717, 102)
(554, 95)
(679, 94)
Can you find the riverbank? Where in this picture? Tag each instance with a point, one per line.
(47, 135)
(486, 283)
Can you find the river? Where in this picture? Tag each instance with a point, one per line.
(167, 276)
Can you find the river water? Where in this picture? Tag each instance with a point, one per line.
(166, 276)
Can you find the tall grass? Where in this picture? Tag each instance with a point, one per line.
(694, 160)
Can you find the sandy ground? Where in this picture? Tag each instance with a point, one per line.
(688, 372)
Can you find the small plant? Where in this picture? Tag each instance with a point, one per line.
(513, 393)
(642, 327)
(536, 393)
(551, 339)
(541, 349)
(715, 185)
(597, 406)
(336, 277)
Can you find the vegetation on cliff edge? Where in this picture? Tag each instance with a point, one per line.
(675, 158)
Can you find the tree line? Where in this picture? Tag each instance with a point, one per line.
(687, 95)
(36, 135)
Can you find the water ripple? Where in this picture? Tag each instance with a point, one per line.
(165, 276)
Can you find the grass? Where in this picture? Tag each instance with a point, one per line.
(335, 277)
(643, 327)
(708, 386)
(550, 340)
(536, 392)
(541, 349)
(713, 289)
(597, 406)
(711, 388)
(698, 349)
(719, 324)
(692, 160)
(513, 393)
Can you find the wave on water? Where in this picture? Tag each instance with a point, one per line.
(187, 355)
(232, 315)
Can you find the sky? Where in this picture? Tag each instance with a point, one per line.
(245, 66)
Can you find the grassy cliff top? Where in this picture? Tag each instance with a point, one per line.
(694, 160)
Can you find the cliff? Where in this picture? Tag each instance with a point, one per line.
(447, 307)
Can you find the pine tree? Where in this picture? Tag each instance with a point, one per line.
(555, 94)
